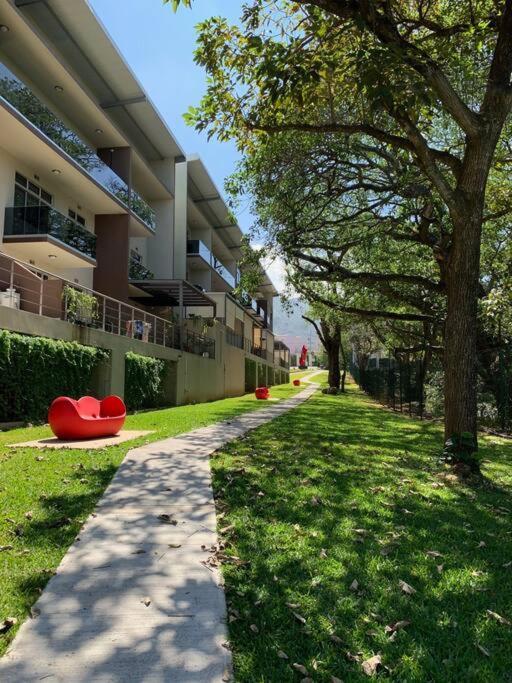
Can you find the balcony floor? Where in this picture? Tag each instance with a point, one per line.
(37, 248)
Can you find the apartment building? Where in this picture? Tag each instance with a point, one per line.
(110, 233)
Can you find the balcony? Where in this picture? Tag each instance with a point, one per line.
(137, 271)
(32, 231)
(199, 248)
(26, 102)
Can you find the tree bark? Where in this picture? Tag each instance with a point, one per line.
(333, 360)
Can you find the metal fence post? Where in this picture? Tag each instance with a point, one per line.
(119, 319)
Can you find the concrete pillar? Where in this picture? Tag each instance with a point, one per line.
(112, 254)
(180, 221)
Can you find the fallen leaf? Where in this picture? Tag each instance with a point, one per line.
(174, 545)
(299, 617)
(323, 553)
(392, 628)
(482, 544)
(254, 628)
(7, 624)
(29, 514)
(406, 588)
(483, 650)
(507, 564)
(167, 519)
(315, 501)
(282, 655)
(354, 585)
(336, 680)
(433, 553)
(497, 617)
(146, 601)
(3, 548)
(372, 665)
(439, 568)
(292, 605)
(39, 458)
(300, 668)
(306, 680)
(138, 552)
(336, 639)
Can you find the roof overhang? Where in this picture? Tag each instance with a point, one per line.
(169, 293)
(75, 37)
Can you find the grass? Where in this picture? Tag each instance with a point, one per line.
(303, 374)
(46, 495)
(327, 509)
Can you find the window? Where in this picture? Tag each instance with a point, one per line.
(27, 193)
(76, 217)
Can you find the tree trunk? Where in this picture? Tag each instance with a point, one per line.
(333, 359)
(460, 357)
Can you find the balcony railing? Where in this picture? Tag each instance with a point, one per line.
(234, 339)
(199, 248)
(22, 98)
(37, 291)
(137, 204)
(138, 271)
(43, 220)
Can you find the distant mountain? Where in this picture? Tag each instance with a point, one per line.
(292, 329)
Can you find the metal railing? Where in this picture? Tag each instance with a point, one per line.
(234, 339)
(31, 289)
(43, 220)
(199, 248)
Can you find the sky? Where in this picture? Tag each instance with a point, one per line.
(158, 45)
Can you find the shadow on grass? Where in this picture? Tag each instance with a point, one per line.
(341, 490)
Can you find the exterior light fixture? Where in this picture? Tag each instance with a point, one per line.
(4, 28)
(58, 88)
(56, 171)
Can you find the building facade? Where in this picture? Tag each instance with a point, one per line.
(110, 234)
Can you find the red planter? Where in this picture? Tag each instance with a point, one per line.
(262, 393)
(86, 418)
(296, 382)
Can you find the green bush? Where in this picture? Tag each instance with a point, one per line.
(144, 381)
(250, 374)
(35, 370)
(262, 375)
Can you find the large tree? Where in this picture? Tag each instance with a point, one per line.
(430, 79)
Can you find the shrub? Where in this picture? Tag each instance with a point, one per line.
(262, 375)
(250, 374)
(35, 370)
(144, 381)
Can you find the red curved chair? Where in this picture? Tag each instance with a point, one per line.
(86, 418)
(262, 393)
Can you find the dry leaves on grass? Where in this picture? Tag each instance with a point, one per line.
(300, 668)
(371, 666)
(354, 585)
(392, 628)
(497, 617)
(406, 588)
(282, 655)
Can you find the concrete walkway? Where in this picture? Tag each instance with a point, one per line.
(131, 600)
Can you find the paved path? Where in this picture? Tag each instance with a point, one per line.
(125, 604)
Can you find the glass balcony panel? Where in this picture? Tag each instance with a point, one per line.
(43, 220)
(22, 98)
(142, 209)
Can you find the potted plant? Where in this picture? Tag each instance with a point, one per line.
(81, 308)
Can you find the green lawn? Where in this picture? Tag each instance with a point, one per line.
(46, 495)
(331, 506)
(303, 374)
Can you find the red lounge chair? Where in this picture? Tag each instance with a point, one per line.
(262, 393)
(296, 382)
(86, 418)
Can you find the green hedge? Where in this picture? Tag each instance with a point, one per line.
(35, 370)
(262, 375)
(250, 374)
(144, 381)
